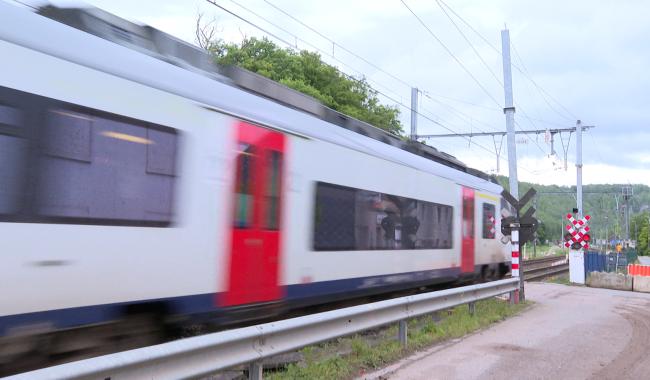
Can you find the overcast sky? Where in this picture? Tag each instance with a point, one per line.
(590, 59)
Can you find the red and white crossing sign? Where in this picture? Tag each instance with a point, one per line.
(578, 231)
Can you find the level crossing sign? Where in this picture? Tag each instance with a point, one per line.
(577, 232)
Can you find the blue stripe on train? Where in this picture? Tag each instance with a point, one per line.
(204, 303)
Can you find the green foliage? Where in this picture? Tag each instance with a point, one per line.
(306, 72)
(599, 201)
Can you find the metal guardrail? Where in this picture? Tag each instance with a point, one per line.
(206, 354)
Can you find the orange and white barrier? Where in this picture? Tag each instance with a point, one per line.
(638, 270)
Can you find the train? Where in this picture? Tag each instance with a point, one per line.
(141, 182)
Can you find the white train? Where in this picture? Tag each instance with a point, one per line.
(136, 178)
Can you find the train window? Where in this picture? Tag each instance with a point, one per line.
(243, 213)
(96, 168)
(334, 218)
(354, 219)
(273, 190)
(13, 151)
(489, 221)
(83, 166)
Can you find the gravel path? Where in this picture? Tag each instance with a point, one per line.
(569, 333)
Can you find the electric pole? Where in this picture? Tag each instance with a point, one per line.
(414, 113)
(509, 110)
(579, 166)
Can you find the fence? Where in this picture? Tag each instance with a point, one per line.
(612, 262)
(206, 354)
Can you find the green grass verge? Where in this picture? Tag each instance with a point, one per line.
(559, 279)
(352, 356)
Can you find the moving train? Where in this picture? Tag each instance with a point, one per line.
(140, 182)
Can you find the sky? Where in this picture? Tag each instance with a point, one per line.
(571, 60)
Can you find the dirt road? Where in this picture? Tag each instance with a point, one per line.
(569, 333)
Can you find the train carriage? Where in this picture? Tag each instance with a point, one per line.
(134, 185)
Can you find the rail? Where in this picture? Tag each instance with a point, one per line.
(538, 273)
(545, 259)
(206, 354)
(545, 266)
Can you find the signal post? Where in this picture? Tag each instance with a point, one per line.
(577, 240)
(520, 228)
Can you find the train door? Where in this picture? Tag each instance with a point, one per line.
(467, 231)
(254, 252)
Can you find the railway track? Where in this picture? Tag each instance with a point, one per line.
(535, 269)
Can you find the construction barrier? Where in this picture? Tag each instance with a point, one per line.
(638, 270)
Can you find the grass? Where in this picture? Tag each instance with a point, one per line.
(352, 356)
(559, 279)
(544, 250)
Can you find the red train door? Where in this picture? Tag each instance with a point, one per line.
(467, 231)
(254, 252)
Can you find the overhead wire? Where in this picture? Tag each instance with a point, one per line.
(293, 46)
(489, 69)
(334, 43)
(522, 70)
(296, 38)
(460, 63)
(471, 45)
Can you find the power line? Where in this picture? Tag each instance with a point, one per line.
(520, 69)
(292, 46)
(460, 63)
(525, 72)
(469, 43)
(484, 63)
(296, 38)
(334, 43)
(458, 112)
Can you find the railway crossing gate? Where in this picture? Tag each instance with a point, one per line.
(521, 229)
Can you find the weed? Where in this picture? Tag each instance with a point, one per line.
(333, 360)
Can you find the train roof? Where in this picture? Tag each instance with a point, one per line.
(186, 76)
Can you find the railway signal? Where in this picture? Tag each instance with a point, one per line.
(577, 235)
(577, 238)
(520, 228)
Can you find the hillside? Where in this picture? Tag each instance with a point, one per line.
(599, 201)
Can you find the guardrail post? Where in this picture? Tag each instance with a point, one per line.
(513, 294)
(255, 370)
(402, 334)
(472, 308)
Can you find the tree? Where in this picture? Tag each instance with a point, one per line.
(303, 71)
(641, 231)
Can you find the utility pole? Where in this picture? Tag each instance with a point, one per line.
(509, 110)
(535, 234)
(579, 166)
(627, 194)
(414, 113)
